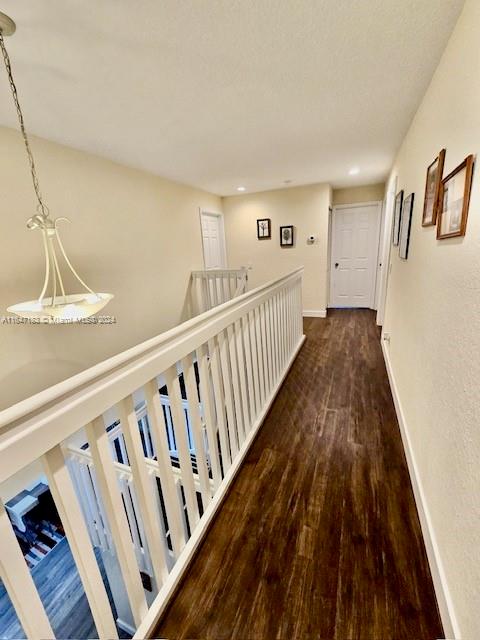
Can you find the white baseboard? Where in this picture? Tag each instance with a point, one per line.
(445, 604)
(160, 603)
(315, 313)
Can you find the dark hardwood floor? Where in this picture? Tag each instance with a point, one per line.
(319, 536)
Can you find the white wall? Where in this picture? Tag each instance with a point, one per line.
(132, 234)
(364, 193)
(433, 317)
(304, 207)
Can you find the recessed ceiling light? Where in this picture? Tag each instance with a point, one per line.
(354, 171)
(241, 189)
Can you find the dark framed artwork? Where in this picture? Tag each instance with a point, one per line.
(455, 200)
(286, 236)
(397, 214)
(264, 229)
(432, 190)
(405, 226)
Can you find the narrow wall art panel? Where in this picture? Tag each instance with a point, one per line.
(405, 226)
(397, 213)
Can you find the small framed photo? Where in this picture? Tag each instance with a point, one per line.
(264, 229)
(405, 226)
(455, 200)
(286, 236)
(397, 214)
(432, 190)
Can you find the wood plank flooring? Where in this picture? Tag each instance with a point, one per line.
(319, 536)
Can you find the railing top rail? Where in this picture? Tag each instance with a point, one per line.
(204, 272)
(131, 358)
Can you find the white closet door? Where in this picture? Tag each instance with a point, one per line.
(355, 235)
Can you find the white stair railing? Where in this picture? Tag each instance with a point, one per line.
(232, 360)
(213, 287)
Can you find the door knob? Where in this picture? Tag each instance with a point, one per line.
(336, 265)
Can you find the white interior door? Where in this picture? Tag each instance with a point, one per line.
(354, 255)
(213, 239)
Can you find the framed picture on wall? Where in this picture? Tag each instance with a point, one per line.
(397, 214)
(455, 200)
(432, 190)
(286, 236)
(405, 226)
(264, 229)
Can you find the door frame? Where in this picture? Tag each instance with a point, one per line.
(339, 207)
(385, 249)
(223, 248)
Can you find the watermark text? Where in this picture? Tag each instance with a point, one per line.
(93, 320)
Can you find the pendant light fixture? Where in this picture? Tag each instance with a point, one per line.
(53, 302)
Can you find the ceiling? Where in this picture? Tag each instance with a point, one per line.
(222, 93)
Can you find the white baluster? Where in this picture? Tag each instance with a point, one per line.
(268, 340)
(219, 404)
(84, 499)
(228, 394)
(74, 466)
(68, 508)
(19, 584)
(209, 414)
(244, 332)
(196, 427)
(108, 483)
(144, 490)
(202, 284)
(300, 308)
(242, 366)
(291, 318)
(281, 329)
(100, 515)
(237, 395)
(213, 285)
(284, 326)
(261, 364)
(180, 428)
(226, 289)
(127, 495)
(287, 324)
(274, 335)
(256, 363)
(143, 426)
(145, 556)
(167, 480)
(276, 302)
(295, 312)
(166, 410)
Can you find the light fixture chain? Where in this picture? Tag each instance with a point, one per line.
(43, 209)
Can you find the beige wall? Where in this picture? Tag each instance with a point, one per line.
(365, 193)
(433, 317)
(304, 207)
(131, 233)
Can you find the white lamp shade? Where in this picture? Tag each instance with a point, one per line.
(70, 307)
